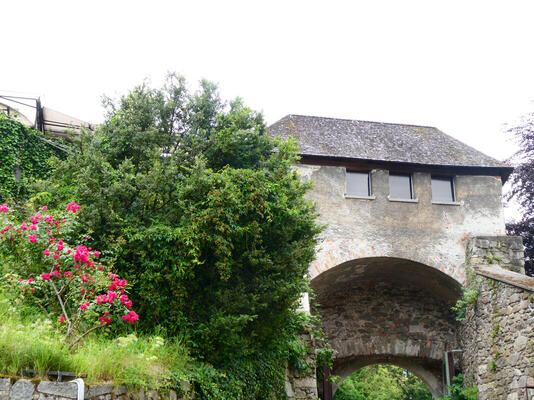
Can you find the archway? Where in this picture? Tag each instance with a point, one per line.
(388, 310)
(384, 381)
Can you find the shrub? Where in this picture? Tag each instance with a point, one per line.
(65, 282)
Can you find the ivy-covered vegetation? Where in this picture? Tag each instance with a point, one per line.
(25, 155)
(190, 201)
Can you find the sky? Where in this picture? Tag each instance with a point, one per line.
(466, 67)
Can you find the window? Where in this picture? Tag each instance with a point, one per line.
(358, 184)
(400, 186)
(443, 189)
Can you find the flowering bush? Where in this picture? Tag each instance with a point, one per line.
(65, 281)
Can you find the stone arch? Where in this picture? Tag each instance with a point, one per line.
(334, 252)
(424, 371)
(388, 310)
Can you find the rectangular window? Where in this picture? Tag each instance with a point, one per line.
(358, 184)
(443, 189)
(400, 186)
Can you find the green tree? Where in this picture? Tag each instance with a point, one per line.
(201, 211)
(382, 382)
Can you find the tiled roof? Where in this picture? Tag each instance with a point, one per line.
(379, 141)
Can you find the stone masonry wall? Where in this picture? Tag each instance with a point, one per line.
(26, 389)
(498, 341)
(302, 386)
(498, 333)
(383, 318)
(504, 251)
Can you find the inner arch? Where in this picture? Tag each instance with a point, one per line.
(428, 372)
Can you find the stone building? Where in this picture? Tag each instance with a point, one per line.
(409, 211)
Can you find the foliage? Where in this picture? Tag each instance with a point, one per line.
(382, 382)
(202, 213)
(64, 281)
(461, 390)
(522, 188)
(248, 378)
(26, 149)
(137, 361)
(469, 296)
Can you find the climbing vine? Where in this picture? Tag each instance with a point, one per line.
(470, 294)
(25, 155)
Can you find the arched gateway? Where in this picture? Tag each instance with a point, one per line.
(388, 310)
(400, 205)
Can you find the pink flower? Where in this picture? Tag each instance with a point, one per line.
(46, 252)
(61, 319)
(45, 277)
(60, 247)
(4, 208)
(23, 227)
(32, 290)
(33, 227)
(84, 306)
(73, 207)
(45, 208)
(131, 316)
(32, 238)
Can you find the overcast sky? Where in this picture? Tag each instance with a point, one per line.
(466, 67)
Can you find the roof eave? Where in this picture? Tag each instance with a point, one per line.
(319, 159)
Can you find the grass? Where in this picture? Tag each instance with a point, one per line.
(135, 361)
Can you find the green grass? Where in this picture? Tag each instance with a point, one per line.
(136, 361)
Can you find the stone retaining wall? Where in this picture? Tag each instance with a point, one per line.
(498, 333)
(30, 389)
(498, 341)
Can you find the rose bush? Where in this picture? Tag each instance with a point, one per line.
(67, 282)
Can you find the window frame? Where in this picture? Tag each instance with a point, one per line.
(412, 198)
(370, 195)
(452, 180)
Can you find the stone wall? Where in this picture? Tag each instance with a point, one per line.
(498, 333)
(498, 341)
(504, 251)
(422, 231)
(302, 386)
(31, 389)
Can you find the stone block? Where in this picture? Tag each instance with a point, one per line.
(482, 243)
(68, 390)
(5, 384)
(99, 390)
(119, 390)
(22, 389)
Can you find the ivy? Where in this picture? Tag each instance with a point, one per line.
(25, 155)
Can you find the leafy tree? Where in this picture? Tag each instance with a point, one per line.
(382, 382)
(201, 211)
(522, 188)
